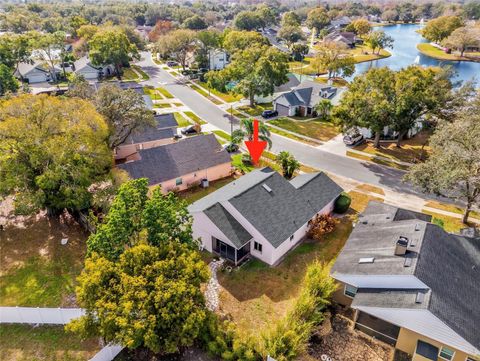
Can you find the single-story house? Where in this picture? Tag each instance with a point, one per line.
(162, 133)
(218, 59)
(345, 37)
(340, 22)
(411, 284)
(261, 214)
(84, 67)
(303, 99)
(32, 72)
(293, 82)
(182, 164)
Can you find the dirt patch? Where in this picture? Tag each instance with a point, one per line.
(338, 339)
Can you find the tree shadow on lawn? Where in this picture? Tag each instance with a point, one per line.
(36, 269)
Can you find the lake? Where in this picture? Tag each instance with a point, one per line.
(405, 53)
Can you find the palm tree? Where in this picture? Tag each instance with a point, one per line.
(246, 126)
(288, 163)
(323, 109)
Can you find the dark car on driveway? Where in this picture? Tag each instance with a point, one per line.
(192, 129)
(269, 113)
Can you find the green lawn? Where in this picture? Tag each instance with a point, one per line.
(291, 136)
(436, 53)
(255, 111)
(376, 160)
(181, 120)
(165, 93)
(222, 134)
(44, 343)
(142, 73)
(314, 128)
(205, 94)
(129, 74)
(164, 105)
(35, 269)
(195, 117)
(227, 97)
(194, 194)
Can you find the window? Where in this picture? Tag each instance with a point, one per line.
(469, 359)
(426, 350)
(257, 246)
(446, 353)
(291, 237)
(350, 291)
(178, 181)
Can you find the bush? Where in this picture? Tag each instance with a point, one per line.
(342, 203)
(321, 225)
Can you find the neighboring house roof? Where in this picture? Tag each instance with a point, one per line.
(83, 63)
(24, 69)
(278, 213)
(292, 82)
(447, 265)
(342, 21)
(174, 160)
(165, 126)
(346, 37)
(308, 93)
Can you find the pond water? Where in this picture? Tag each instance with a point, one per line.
(405, 53)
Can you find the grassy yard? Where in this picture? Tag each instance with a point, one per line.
(451, 208)
(222, 134)
(370, 188)
(376, 160)
(205, 94)
(35, 268)
(141, 72)
(263, 162)
(362, 53)
(163, 105)
(181, 120)
(412, 150)
(195, 193)
(436, 53)
(449, 224)
(255, 294)
(44, 343)
(255, 111)
(314, 128)
(291, 136)
(195, 117)
(226, 97)
(129, 74)
(338, 82)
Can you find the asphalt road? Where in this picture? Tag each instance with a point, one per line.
(365, 172)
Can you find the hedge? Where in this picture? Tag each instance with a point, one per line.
(342, 203)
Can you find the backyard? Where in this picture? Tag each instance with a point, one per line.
(255, 294)
(313, 128)
(44, 343)
(35, 268)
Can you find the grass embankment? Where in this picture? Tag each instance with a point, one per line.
(222, 134)
(412, 150)
(195, 193)
(314, 128)
(255, 295)
(35, 268)
(436, 53)
(158, 93)
(370, 188)
(362, 53)
(451, 208)
(44, 343)
(195, 118)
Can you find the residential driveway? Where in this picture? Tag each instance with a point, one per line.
(361, 171)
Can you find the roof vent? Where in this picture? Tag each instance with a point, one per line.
(401, 246)
(417, 227)
(420, 297)
(267, 188)
(366, 260)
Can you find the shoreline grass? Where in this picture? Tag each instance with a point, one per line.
(436, 53)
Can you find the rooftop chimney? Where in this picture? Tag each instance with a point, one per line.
(401, 246)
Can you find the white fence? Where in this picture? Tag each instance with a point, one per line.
(34, 315)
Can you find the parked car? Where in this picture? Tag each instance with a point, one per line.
(269, 113)
(352, 139)
(192, 129)
(231, 148)
(172, 63)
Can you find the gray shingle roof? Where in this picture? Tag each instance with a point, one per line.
(228, 225)
(450, 266)
(390, 298)
(279, 213)
(177, 159)
(164, 128)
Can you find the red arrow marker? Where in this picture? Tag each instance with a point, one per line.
(255, 146)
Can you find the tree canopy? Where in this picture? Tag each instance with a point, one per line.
(462, 38)
(8, 83)
(317, 19)
(378, 40)
(335, 58)
(453, 167)
(440, 28)
(176, 45)
(51, 150)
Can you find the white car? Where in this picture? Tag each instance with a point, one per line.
(352, 139)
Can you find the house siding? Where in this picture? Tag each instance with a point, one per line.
(407, 342)
(190, 179)
(339, 295)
